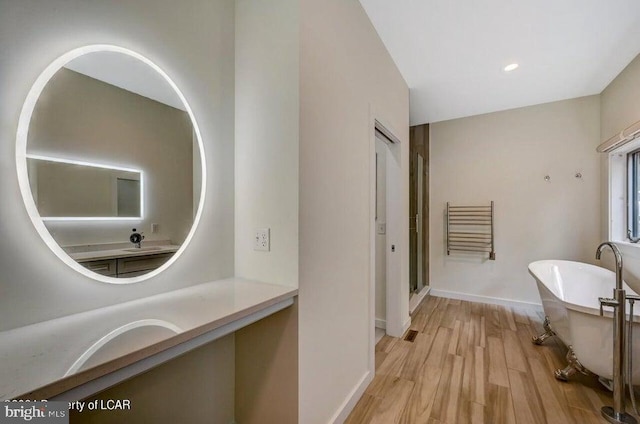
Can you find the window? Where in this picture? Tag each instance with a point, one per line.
(633, 197)
(624, 194)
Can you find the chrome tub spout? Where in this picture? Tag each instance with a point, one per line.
(616, 414)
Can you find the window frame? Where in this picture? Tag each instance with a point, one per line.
(633, 184)
(620, 208)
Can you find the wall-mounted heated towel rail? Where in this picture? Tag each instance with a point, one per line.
(470, 229)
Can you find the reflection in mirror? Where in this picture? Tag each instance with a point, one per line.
(67, 190)
(122, 341)
(111, 147)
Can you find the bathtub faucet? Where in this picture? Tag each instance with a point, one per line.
(607, 301)
(616, 414)
(618, 256)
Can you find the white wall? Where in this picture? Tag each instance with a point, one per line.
(620, 107)
(267, 133)
(193, 43)
(504, 157)
(347, 79)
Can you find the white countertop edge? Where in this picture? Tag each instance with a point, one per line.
(113, 378)
(128, 252)
(254, 301)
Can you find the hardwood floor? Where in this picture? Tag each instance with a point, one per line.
(475, 363)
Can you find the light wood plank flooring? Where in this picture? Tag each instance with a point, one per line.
(475, 363)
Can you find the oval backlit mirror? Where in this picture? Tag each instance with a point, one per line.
(110, 164)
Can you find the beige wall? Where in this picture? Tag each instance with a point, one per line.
(347, 79)
(186, 389)
(504, 157)
(620, 107)
(266, 389)
(81, 118)
(267, 134)
(266, 196)
(66, 190)
(620, 102)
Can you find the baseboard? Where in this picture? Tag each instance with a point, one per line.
(350, 402)
(485, 299)
(416, 299)
(381, 323)
(406, 325)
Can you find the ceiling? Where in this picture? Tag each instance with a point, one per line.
(128, 73)
(452, 53)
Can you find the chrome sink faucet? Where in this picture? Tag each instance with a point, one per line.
(136, 238)
(616, 414)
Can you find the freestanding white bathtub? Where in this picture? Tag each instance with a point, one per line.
(570, 292)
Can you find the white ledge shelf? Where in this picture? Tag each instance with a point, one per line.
(73, 357)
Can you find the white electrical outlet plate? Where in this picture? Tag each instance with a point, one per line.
(261, 240)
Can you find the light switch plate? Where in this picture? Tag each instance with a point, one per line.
(381, 228)
(261, 240)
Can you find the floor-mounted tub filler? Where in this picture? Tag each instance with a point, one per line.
(572, 294)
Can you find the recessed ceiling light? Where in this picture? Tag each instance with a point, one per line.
(511, 67)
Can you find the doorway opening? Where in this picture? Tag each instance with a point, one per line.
(387, 233)
(381, 239)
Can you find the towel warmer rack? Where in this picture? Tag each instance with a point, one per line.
(470, 229)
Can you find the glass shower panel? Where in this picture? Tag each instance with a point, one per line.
(419, 224)
(416, 224)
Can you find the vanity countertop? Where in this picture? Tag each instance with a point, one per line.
(46, 359)
(97, 255)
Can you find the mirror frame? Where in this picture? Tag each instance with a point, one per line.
(23, 177)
